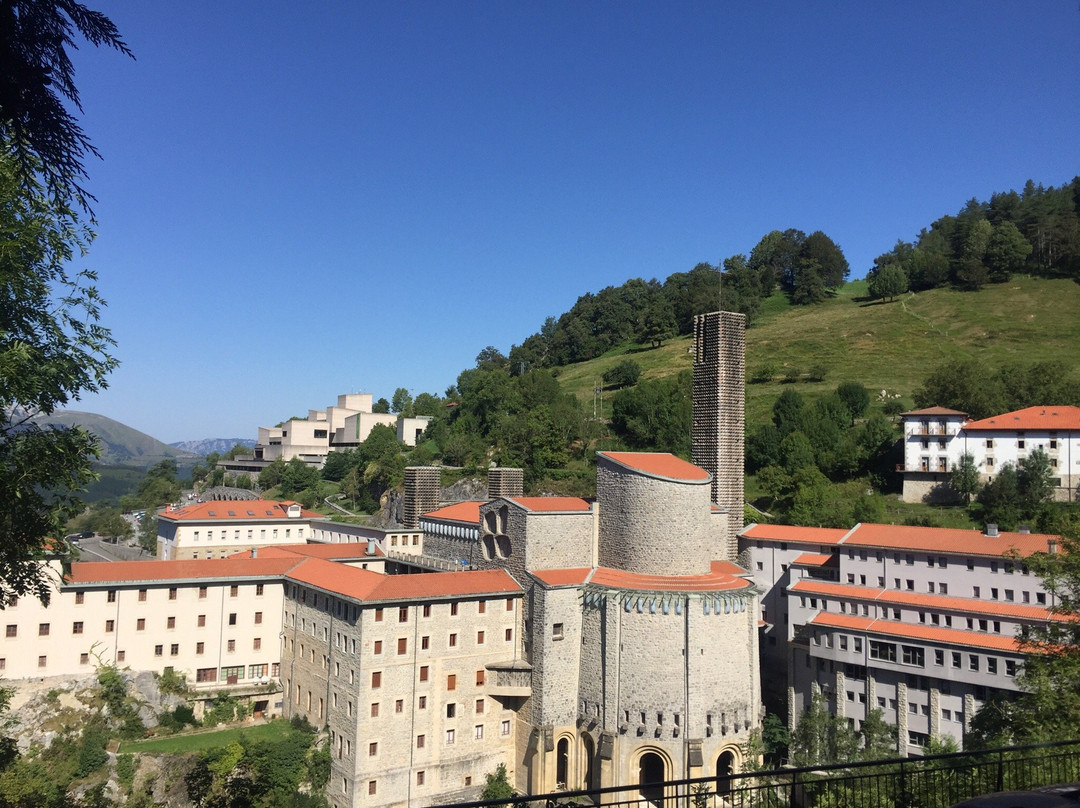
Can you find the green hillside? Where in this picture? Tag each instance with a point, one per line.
(884, 346)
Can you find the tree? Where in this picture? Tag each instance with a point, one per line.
(623, 374)
(271, 475)
(964, 478)
(148, 532)
(832, 265)
(1035, 483)
(401, 402)
(1006, 251)
(657, 324)
(382, 406)
(1000, 499)
(855, 397)
(497, 786)
(296, 477)
(964, 385)
(821, 738)
(887, 282)
(44, 137)
(52, 350)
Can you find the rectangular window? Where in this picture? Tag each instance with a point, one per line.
(376, 679)
(256, 644)
(174, 649)
(200, 647)
(378, 615)
(427, 610)
(80, 598)
(973, 662)
(120, 655)
(557, 631)
(505, 727)
(402, 645)
(449, 736)
(232, 646)
(43, 629)
(42, 661)
(912, 655)
(172, 593)
(451, 710)
(377, 647)
(403, 614)
(884, 651)
(142, 595)
(453, 640)
(77, 627)
(399, 706)
(451, 681)
(423, 673)
(508, 635)
(956, 659)
(478, 732)
(111, 598)
(159, 650)
(425, 643)
(420, 778)
(479, 638)
(258, 618)
(453, 609)
(12, 630)
(202, 592)
(419, 741)
(991, 665)
(232, 618)
(140, 624)
(422, 703)
(479, 706)
(170, 622)
(110, 626)
(939, 657)
(373, 749)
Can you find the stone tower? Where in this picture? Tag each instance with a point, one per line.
(421, 494)
(720, 412)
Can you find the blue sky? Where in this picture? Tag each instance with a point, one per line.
(300, 200)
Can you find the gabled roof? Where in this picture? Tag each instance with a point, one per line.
(234, 510)
(662, 465)
(1046, 419)
(945, 540)
(794, 534)
(159, 572)
(933, 411)
(723, 576)
(467, 512)
(558, 504)
(992, 608)
(365, 585)
(892, 628)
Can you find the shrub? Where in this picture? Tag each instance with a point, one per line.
(623, 374)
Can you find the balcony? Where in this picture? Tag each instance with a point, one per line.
(510, 679)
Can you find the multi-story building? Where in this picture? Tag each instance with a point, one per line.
(218, 529)
(920, 623)
(935, 439)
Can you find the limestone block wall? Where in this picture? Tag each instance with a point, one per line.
(720, 411)
(654, 526)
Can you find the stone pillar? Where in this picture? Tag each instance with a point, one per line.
(841, 695)
(902, 717)
(969, 710)
(935, 712)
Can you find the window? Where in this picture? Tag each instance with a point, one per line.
(557, 631)
(140, 624)
(76, 627)
(479, 638)
(174, 649)
(427, 610)
(449, 736)
(509, 635)
(509, 604)
(120, 655)
(956, 659)
(479, 706)
(480, 678)
(232, 646)
(200, 647)
(378, 615)
(885, 651)
(234, 590)
(399, 706)
(423, 673)
(481, 607)
(170, 622)
(451, 681)
(939, 657)
(84, 659)
(43, 629)
(377, 648)
(453, 640)
(422, 703)
(111, 598)
(451, 710)
(453, 609)
(425, 643)
(991, 665)
(159, 650)
(993, 593)
(232, 618)
(80, 598)
(419, 741)
(478, 732)
(110, 626)
(142, 595)
(505, 728)
(912, 655)
(420, 778)
(402, 645)
(258, 618)
(1010, 667)
(371, 786)
(256, 644)
(373, 749)
(376, 679)
(201, 621)
(42, 661)
(172, 593)
(973, 662)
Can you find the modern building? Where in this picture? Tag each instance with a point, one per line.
(935, 439)
(918, 622)
(218, 529)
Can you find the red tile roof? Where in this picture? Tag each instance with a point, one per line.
(340, 551)
(993, 608)
(88, 572)
(945, 540)
(890, 628)
(1035, 418)
(718, 580)
(361, 584)
(814, 559)
(468, 512)
(551, 503)
(663, 465)
(794, 533)
(933, 411)
(240, 510)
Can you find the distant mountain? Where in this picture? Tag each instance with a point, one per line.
(120, 444)
(205, 447)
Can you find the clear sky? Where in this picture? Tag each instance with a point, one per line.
(304, 199)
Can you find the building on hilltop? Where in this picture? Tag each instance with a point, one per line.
(920, 623)
(936, 438)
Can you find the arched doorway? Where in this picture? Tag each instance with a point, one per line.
(651, 776)
(588, 753)
(562, 763)
(725, 767)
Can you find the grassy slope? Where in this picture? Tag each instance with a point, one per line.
(891, 346)
(182, 744)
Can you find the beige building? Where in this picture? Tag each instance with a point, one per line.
(222, 528)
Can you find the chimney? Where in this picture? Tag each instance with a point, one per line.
(254, 552)
(1051, 546)
(371, 547)
(1023, 529)
(992, 531)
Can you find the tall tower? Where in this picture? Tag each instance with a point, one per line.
(720, 411)
(421, 494)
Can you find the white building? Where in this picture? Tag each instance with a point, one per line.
(935, 439)
(218, 529)
(918, 622)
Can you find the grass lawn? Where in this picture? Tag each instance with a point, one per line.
(182, 744)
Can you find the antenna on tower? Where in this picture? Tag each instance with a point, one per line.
(720, 284)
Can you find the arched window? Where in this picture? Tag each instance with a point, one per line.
(651, 778)
(588, 750)
(725, 767)
(562, 763)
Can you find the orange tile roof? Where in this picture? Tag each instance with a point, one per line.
(794, 533)
(339, 551)
(890, 628)
(718, 580)
(361, 584)
(663, 465)
(234, 510)
(93, 572)
(1022, 611)
(1036, 418)
(458, 512)
(945, 540)
(933, 411)
(551, 503)
(814, 559)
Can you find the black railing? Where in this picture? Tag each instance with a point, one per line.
(934, 781)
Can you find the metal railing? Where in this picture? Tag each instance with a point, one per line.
(934, 781)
